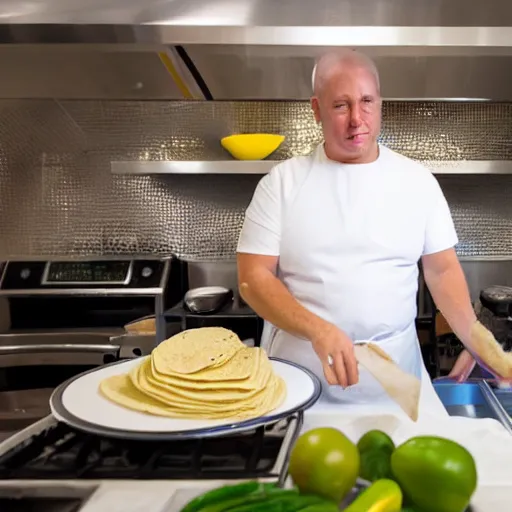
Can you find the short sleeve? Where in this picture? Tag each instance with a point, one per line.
(440, 233)
(261, 230)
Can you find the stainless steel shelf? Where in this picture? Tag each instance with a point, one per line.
(470, 167)
(89, 26)
(263, 166)
(194, 167)
(361, 36)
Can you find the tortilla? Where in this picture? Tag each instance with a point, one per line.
(143, 377)
(489, 353)
(211, 401)
(240, 367)
(120, 390)
(244, 370)
(400, 386)
(196, 349)
(239, 383)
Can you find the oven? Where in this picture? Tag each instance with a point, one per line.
(61, 317)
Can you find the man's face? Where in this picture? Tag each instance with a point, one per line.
(349, 109)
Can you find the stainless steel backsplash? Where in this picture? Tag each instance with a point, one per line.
(57, 194)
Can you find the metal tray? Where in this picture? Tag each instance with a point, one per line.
(504, 397)
(473, 399)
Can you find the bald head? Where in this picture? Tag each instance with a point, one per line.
(347, 104)
(337, 62)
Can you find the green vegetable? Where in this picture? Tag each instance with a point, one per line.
(375, 440)
(218, 499)
(224, 505)
(375, 465)
(375, 449)
(322, 507)
(289, 502)
(271, 489)
(221, 494)
(435, 474)
(382, 496)
(324, 462)
(307, 501)
(304, 501)
(264, 505)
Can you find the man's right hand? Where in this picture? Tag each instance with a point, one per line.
(333, 342)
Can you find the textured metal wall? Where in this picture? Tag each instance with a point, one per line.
(57, 195)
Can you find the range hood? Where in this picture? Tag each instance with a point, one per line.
(250, 49)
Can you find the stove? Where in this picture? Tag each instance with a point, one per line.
(65, 318)
(52, 466)
(59, 452)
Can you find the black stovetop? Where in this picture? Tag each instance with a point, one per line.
(61, 452)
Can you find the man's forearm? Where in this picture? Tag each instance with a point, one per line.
(451, 295)
(271, 300)
(450, 292)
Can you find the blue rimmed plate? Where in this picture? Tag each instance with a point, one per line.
(78, 403)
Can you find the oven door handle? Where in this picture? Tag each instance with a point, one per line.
(59, 347)
(60, 334)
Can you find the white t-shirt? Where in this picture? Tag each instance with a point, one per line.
(349, 236)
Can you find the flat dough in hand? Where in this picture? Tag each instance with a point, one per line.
(484, 347)
(402, 387)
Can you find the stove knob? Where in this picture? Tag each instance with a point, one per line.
(25, 273)
(147, 271)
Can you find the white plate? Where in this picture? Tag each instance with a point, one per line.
(78, 403)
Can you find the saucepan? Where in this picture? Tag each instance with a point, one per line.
(207, 299)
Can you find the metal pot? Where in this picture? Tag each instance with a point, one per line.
(207, 299)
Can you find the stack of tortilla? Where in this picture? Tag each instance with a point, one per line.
(205, 373)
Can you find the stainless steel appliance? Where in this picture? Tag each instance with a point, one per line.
(495, 311)
(256, 453)
(66, 316)
(53, 462)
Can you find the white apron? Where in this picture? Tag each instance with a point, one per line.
(349, 254)
(403, 348)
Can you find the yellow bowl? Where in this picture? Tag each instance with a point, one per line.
(251, 146)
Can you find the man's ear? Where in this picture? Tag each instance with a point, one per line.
(316, 108)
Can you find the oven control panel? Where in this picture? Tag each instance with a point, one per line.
(105, 274)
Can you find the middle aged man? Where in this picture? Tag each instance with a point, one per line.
(330, 244)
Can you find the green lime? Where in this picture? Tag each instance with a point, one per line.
(375, 448)
(376, 464)
(375, 439)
